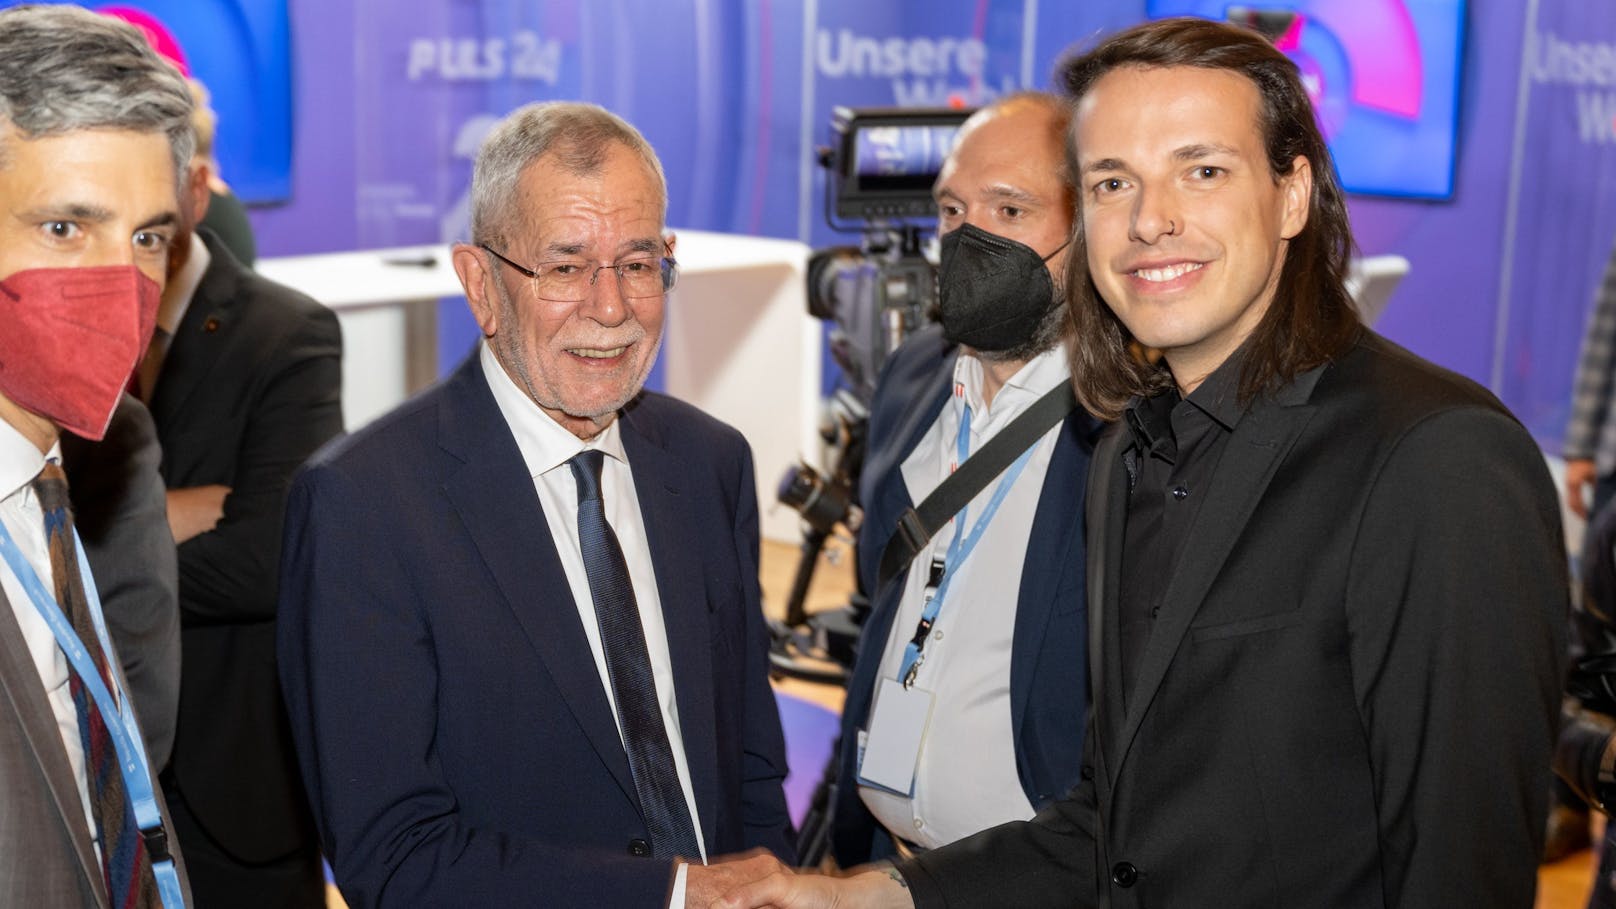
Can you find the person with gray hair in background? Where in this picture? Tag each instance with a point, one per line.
(520, 635)
(94, 133)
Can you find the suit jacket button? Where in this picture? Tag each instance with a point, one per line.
(639, 847)
(1087, 771)
(1124, 874)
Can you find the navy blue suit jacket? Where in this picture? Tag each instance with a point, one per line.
(454, 736)
(1048, 671)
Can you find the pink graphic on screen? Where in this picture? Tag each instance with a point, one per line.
(157, 34)
(1383, 47)
(1384, 77)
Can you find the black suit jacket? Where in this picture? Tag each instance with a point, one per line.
(1048, 668)
(1350, 696)
(457, 741)
(249, 388)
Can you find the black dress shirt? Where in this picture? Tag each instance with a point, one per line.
(1176, 445)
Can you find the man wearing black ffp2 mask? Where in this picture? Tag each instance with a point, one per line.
(999, 743)
(996, 295)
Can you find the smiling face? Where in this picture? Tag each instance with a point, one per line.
(1185, 223)
(577, 361)
(580, 362)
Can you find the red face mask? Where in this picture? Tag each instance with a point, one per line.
(70, 338)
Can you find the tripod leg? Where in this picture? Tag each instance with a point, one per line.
(813, 543)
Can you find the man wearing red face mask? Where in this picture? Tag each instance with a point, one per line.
(93, 130)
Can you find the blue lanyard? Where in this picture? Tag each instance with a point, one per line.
(125, 731)
(959, 549)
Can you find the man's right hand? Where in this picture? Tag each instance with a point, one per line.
(1579, 474)
(877, 887)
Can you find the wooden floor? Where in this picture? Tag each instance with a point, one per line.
(1563, 885)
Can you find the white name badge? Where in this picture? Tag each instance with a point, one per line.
(897, 730)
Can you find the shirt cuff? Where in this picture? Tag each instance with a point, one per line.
(677, 900)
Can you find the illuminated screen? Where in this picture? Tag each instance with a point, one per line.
(240, 49)
(901, 157)
(1384, 77)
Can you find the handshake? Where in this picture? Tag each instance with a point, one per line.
(760, 881)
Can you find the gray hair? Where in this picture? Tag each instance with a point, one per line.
(578, 134)
(64, 68)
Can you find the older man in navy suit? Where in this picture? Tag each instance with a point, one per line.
(521, 638)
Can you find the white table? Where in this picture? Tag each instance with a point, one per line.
(737, 342)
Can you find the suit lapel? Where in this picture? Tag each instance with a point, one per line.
(496, 502)
(199, 339)
(1041, 572)
(21, 688)
(1107, 516)
(1257, 446)
(886, 463)
(917, 420)
(681, 587)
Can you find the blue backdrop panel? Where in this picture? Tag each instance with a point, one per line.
(735, 94)
(241, 50)
(1560, 214)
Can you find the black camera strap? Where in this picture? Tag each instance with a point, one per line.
(918, 525)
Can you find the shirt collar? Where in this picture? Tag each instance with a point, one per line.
(1149, 419)
(1218, 396)
(1035, 378)
(1149, 423)
(182, 287)
(544, 443)
(20, 460)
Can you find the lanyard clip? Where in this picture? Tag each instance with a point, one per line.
(914, 668)
(156, 840)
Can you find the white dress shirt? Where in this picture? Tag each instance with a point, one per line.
(20, 463)
(966, 779)
(546, 448)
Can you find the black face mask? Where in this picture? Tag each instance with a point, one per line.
(993, 293)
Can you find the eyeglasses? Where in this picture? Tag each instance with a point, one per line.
(569, 281)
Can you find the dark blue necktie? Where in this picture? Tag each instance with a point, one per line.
(628, 663)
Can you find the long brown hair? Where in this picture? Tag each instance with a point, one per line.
(1311, 319)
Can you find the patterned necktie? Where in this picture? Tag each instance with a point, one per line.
(123, 853)
(650, 757)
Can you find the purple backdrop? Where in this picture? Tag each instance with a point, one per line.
(387, 96)
(1560, 207)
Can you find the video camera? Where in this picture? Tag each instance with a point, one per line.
(881, 169)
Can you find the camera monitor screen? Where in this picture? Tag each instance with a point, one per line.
(888, 159)
(1384, 76)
